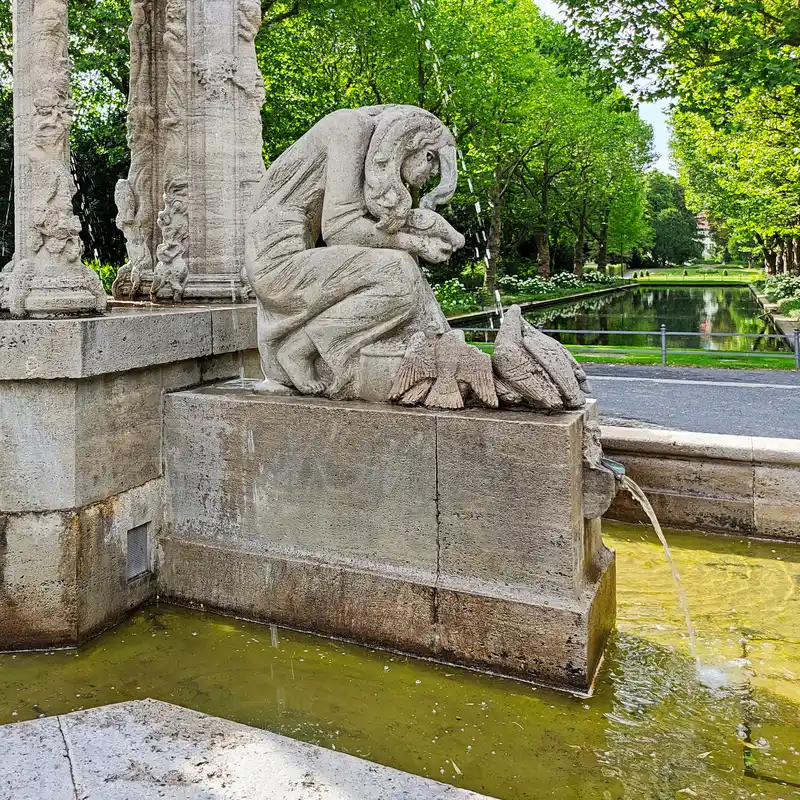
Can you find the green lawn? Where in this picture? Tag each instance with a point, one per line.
(735, 275)
(700, 358)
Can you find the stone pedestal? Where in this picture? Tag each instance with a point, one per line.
(434, 534)
(81, 482)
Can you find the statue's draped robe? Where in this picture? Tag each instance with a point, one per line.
(347, 295)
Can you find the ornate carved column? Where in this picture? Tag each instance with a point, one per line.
(46, 277)
(195, 138)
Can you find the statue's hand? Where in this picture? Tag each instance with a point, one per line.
(429, 224)
(434, 250)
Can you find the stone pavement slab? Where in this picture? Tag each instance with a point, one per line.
(148, 749)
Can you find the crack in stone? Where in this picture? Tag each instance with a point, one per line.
(69, 758)
(438, 521)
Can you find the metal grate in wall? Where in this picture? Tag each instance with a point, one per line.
(138, 551)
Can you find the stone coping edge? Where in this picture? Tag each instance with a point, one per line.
(126, 339)
(713, 446)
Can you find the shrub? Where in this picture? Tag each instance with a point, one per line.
(790, 305)
(635, 275)
(725, 273)
(566, 280)
(106, 272)
(686, 273)
(454, 296)
(595, 277)
(780, 287)
(511, 284)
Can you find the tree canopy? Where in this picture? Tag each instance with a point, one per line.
(553, 152)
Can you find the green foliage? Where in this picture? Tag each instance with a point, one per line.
(106, 272)
(790, 306)
(454, 296)
(782, 287)
(554, 150)
(673, 227)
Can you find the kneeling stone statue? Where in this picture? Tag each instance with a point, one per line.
(332, 253)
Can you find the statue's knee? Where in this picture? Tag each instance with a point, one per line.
(400, 273)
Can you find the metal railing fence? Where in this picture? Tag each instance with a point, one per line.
(663, 334)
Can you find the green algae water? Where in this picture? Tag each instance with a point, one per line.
(656, 726)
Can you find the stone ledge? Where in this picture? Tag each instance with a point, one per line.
(130, 337)
(732, 484)
(149, 749)
(712, 446)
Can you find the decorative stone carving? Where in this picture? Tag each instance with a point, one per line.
(356, 318)
(172, 272)
(46, 277)
(134, 195)
(344, 182)
(194, 130)
(534, 369)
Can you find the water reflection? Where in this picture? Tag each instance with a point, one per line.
(701, 310)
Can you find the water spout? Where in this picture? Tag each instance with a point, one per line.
(636, 492)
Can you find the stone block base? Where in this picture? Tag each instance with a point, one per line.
(458, 536)
(64, 574)
(529, 639)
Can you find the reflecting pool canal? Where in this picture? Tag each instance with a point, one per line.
(691, 310)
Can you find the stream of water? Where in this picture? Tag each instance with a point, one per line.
(636, 492)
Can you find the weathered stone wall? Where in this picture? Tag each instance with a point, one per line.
(81, 409)
(696, 481)
(433, 533)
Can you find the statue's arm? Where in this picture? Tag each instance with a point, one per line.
(344, 217)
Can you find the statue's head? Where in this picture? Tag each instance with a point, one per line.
(408, 147)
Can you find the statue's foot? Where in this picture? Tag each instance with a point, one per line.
(268, 386)
(297, 358)
(311, 388)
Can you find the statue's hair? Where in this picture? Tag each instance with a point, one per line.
(400, 132)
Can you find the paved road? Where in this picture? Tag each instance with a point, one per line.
(739, 402)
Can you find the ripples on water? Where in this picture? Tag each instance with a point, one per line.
(658, 726)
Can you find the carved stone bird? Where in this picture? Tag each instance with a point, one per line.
(459, 367)
(440, 371)
(417, 372)
(532, 366)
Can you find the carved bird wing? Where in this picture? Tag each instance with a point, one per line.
(557, 361)
(475, 369)
(445, 392)
(419, 364)
(518, 369)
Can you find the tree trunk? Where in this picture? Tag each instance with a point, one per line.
(543, 238)
(602, 244)
(769, 261)
(779, 260)
(497, 200)
(543, 254)
(580, 241)
(796, 256)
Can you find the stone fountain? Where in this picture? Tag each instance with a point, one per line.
(377, 479)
